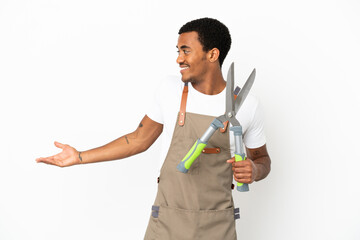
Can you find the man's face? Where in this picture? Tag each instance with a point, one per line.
(192, 59)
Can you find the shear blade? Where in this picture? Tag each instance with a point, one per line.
(230, 106)
(245, 91)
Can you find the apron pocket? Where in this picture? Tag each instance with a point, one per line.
(179, 224)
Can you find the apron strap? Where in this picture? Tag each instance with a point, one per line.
(183, 105)
(211, 150)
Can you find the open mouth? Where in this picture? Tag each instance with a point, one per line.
(183, 68)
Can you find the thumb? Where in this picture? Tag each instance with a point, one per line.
(231, 160)
(59, 145)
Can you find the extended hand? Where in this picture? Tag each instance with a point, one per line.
(244, 171)
(69, 156)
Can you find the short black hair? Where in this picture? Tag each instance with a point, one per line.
(212, 34)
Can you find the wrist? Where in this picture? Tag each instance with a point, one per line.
(255, 171)
(80, 158)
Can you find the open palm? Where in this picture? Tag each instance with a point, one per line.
(68, 157)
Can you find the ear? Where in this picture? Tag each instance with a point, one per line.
(213, 55)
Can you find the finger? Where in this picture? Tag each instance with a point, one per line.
(242, 175)
(241, 170)
(59, 145)
(44, 158)
(244, 163)
(243, 180)
(48, 160)
(231, 160)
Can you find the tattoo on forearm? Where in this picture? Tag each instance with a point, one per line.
(257, 153)
(126, 139)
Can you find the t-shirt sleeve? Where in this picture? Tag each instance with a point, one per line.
(254, 137)
(154, 108)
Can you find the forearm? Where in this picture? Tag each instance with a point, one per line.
(136, 142)
(122, 147)
(262, 167)
(128, 145)
(261, 161)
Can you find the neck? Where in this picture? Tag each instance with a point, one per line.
(213, 83)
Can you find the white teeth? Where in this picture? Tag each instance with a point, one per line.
(183, 68)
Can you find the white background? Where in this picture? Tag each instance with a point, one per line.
(81, 72)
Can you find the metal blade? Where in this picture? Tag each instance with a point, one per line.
(230, 89)
(244, 91)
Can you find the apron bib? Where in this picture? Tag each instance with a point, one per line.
(198, 204)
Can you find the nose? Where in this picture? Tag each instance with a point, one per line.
(180, 58)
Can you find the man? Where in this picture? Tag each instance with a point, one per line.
(199, 204)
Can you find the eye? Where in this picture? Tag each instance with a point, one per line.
(184, 51)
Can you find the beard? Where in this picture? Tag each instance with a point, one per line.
(187, 80)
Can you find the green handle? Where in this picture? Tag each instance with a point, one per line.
(190, 157)
(241, 187)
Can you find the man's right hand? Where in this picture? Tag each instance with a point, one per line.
(68, 157)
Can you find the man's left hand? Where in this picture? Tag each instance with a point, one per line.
(244, 171)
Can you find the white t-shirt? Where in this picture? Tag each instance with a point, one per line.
(166, 104)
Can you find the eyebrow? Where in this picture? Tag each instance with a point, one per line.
(183, 46)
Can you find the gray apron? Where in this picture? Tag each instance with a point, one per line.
(198, 204)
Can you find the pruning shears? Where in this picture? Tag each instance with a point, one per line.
(232, 107)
